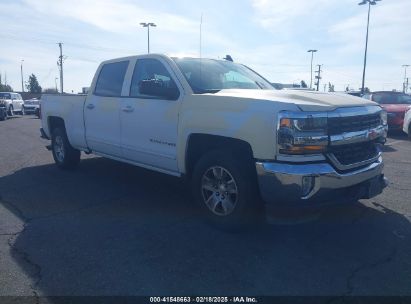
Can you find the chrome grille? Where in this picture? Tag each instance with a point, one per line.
(355, 153)
(339, 125)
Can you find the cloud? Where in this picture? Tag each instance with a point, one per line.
(388, 29)
(279, 15)
(112, 16)
(271, 37)
(337, 30)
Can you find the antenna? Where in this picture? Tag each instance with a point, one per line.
(201, 55)
(201, 25)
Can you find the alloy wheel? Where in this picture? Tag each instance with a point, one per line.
(219, 191)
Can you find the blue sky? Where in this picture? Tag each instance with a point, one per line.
(271, 37)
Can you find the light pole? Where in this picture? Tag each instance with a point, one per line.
(404, 86)
(370, 2)
(312, 56)
(55, 82)
(147, 25)
(21, 71)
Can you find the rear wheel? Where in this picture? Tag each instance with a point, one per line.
(10, 112)
(65, 156)
(225, 189)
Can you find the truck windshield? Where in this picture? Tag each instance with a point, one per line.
(5, 96)
(211, 76)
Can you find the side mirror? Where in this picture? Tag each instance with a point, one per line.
(158, 88)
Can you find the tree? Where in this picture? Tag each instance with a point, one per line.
(303, 84)
(5, 87)
(33, 85)
(330, 87)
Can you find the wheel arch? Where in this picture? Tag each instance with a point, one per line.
(199, 143)
(54, 122)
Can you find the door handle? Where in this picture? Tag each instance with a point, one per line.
(90, 106)
(128, 109)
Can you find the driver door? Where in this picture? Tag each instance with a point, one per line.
(148, 121)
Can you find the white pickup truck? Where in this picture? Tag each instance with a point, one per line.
(223, 126)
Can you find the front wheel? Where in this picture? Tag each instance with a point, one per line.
(65, 156)
(225, 189)
(3, 114)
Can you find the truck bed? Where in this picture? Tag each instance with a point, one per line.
(69, 106)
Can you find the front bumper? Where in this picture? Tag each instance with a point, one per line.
(30, 108)
(395, 121)
(317, 183)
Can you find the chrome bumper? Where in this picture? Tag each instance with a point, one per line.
(283, 183)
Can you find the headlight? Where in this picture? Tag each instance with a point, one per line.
(302, 133)
(383, 115)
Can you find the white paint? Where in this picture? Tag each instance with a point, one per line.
(155, 132)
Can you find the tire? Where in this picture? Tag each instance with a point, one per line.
(224, 186)
(23, 111)
(65, 156)
(10, 112)
(3, 114)
(409, 132)
(37, 113)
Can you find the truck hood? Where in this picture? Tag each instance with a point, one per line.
(305, 100)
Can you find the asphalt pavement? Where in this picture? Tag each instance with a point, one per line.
(109, 228)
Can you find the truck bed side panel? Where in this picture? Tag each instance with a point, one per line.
(70, 109)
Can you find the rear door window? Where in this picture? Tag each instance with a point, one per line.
(111, 78)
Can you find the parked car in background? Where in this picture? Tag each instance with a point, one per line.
(407, 122)
(32, 106)
(395, 103)
(12, 102)
(354, 93)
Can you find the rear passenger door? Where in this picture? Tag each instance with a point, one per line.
(101, 110)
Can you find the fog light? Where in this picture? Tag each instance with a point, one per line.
(307, 185)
